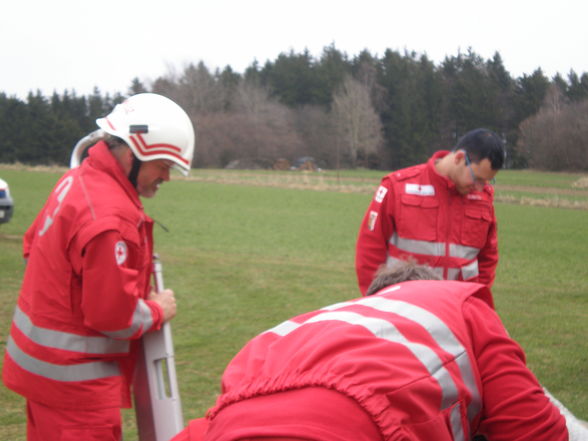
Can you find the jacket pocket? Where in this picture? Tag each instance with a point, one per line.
(417, 218)
(476, 223)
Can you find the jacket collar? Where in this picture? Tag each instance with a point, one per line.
(434, 174)
(101, 159)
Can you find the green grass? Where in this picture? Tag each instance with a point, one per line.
(242, 257)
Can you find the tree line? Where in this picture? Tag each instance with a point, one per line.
(364, 111)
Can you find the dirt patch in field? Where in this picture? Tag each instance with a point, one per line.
(12, 237)
(297, 181)
(320, 182)
(543, 190)
(38, 168)
(581, 183)
(554, 203)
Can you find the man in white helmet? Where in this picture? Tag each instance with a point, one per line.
(86, 297)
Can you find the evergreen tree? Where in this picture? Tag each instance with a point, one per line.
(577, 87)
(501, 87)
(13, 133)
(253, 73)
(421, 107)
(137, 87)
(330, 70)
(97, 106)
(470, 100)
(228, 81)
(39, 124)
(293, 79)
(411, 108)
(529, 93)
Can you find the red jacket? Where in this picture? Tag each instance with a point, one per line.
(424, 360)
(82, 303)
(418, 213)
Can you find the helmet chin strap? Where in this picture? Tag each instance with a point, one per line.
(134, 171)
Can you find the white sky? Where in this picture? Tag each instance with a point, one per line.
(78, 44)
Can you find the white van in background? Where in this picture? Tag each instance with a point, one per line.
(6, 202)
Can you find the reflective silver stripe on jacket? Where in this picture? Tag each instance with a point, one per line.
(470, 270)
(285, 328)
(65, 340)
(142, 320)
(440, 332)
(456, 425)
(429, 359)
(443, 336)
(463, 252)
(77, 372)
(452, 273)
(467, 272)
(384, 329)
(435, 249)
(418, 246)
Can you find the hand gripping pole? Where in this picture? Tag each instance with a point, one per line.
(157, 400)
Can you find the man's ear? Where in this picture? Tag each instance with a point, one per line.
(459, 156)
(129, 155)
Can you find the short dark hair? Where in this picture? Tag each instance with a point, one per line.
(481, 144)
(114, 142)
(400, 271)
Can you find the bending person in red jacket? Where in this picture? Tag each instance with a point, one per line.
(439, 213)
(86, 296)
(419, 360)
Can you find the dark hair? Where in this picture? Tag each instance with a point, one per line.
(481, 144)
(114, 142)
(400, 271)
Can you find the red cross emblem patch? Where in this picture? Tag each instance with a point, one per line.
(381, 193)
(120, 252)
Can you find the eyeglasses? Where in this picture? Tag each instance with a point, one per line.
(476, 180)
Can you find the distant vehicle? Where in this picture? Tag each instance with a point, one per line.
(307, 163)
(6, 203)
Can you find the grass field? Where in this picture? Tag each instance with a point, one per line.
(248, 249)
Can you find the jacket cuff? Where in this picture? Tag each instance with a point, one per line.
(156, 314)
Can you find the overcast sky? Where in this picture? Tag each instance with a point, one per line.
(79, 44)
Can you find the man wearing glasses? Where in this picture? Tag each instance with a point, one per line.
(439, 213)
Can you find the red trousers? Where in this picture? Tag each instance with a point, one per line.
(50, 424)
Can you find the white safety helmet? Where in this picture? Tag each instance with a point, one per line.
(154, 127)
(81, 148)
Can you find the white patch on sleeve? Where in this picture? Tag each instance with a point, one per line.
(380, 194)
(420, 190)
(373, 217)
(120, 252)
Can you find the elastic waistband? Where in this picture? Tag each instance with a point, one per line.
(310, 413)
